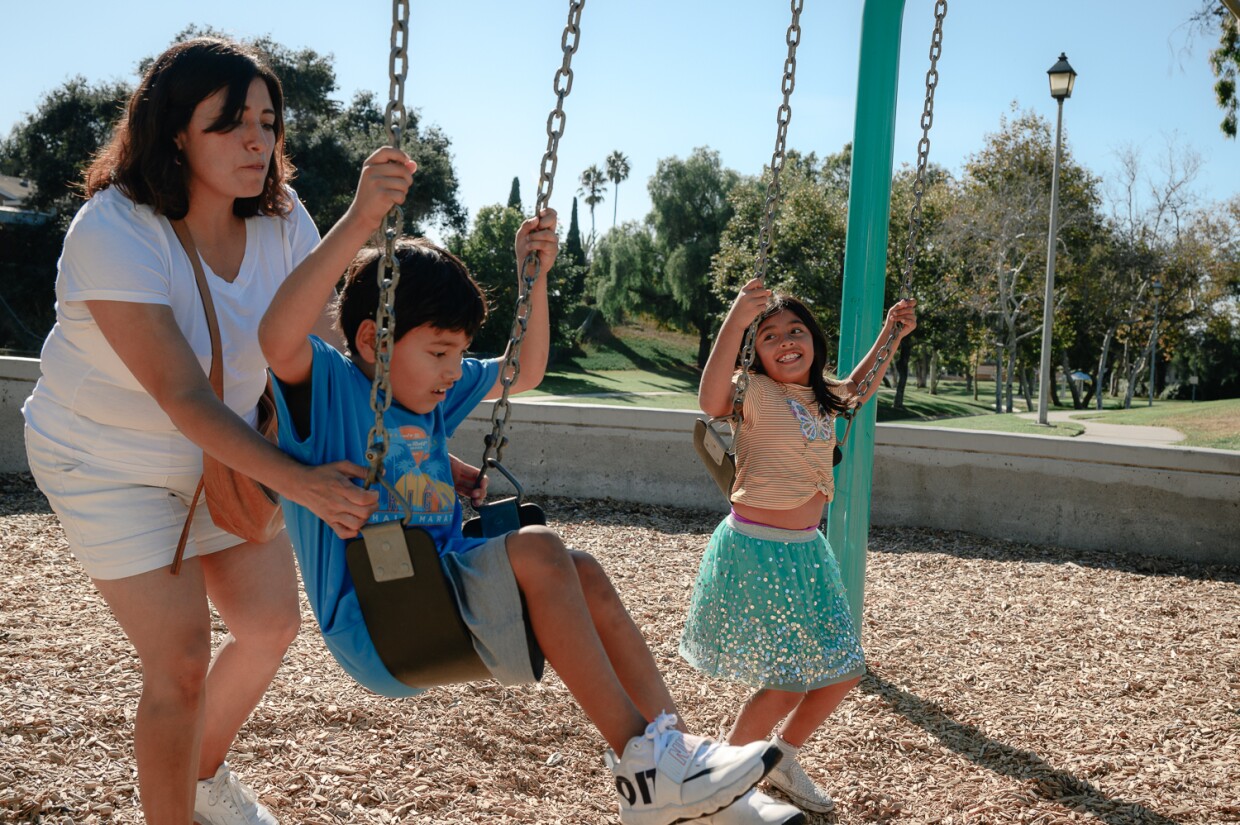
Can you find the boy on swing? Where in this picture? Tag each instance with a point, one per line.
(577, 620)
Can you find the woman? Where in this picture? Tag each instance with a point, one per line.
(118, 423)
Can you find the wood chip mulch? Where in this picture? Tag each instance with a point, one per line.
(1008, 684)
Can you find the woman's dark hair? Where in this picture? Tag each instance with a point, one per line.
(827, 400)
(142, 159)
(435, 288)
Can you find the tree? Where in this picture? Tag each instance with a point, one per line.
(592, 182)
(307, 78)
(806, 256)
(942, 312)
(488, 253)
(514, 194)
(573, 249)
(997, 233)
(624, 275)
(53, 146)
(1221, 16)
(689, 212)
(329, 155)
(50, 148)
(618, 173)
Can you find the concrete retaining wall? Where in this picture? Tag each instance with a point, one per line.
(1161, 501)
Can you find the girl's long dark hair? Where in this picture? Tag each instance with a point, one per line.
(142, 159)
(828, 402)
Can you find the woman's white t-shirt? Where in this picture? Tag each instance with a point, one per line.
(87, 400)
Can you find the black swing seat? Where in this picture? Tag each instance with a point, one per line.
(408, 604)
(496, 518)
(410, 609)
(503, 516)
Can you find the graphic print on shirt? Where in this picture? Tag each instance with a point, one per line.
(814, 427)
(418, 474)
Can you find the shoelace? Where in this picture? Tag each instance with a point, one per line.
(664, 728)
(237, 794)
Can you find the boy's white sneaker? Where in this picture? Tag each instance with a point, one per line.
(665, 776)
(223, 800)
(790, 778)
(755, 808)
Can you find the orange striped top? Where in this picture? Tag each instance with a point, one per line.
(784, 448)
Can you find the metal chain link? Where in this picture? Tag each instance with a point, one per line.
(562, 84)
(782, 118)
(919, 188)
(388, 274)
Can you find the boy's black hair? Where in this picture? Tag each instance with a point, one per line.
(827, 400)
(435, 288)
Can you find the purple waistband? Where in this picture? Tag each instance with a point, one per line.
(744, 520)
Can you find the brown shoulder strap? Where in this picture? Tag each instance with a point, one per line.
(217, 363)
(208, 305)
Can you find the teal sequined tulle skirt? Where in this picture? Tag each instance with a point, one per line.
(769, 611)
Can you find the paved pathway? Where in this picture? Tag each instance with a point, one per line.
(1112, 433)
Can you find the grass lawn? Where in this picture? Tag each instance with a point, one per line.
(1213, 424)
(639, 366)
(642, 367)
(1004, 424)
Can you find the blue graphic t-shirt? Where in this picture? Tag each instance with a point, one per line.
(416, 464)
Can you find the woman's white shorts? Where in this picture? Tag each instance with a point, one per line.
(121, 523)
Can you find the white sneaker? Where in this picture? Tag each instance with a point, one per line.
(755, 808)
(223, 800)
(666, 776)
(790, 778)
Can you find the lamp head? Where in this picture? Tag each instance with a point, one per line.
(1062, 77)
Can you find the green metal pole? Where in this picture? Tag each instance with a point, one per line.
(865, 268)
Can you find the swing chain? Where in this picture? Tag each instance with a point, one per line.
(511, 368)
(765, 236)
(919, 188)
(388, 274)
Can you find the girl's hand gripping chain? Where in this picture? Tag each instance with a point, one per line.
(902, 318)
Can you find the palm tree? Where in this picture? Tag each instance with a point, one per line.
(618, 172)
(592, 182)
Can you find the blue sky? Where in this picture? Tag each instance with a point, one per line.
(656, 78)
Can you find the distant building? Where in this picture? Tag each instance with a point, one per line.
(14, 193)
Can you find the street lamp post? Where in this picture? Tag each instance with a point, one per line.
(1062, 78)
(1156, 288)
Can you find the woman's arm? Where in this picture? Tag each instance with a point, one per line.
(535, 235)
(151, 345)
(715, 390)
(298, 304)
(903, 319)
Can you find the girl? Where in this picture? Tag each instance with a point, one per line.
(769, 608)
(118, 423)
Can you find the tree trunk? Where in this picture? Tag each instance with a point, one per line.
(1026, 384)
(1102, 365)
(1052, 390)
(970, 375)
(1137, 368)
(923, 369)
(998, 379)
(934, 372)
(703, 348)
(1067, 375)
(906, 348)
(1011, 373)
